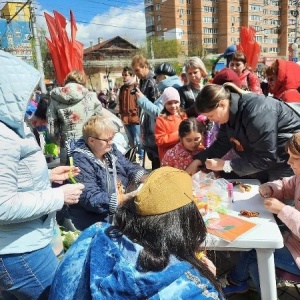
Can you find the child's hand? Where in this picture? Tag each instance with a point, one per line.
(273, 205)
(265, 190)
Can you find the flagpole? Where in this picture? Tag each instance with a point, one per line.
(37, 47)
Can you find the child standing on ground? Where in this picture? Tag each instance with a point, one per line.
(191, 134)
(276, 194)
(167, 124)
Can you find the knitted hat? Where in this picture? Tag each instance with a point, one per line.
(227, 75)
(165, 189)
(170, 94)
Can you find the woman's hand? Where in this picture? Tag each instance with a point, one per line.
(265, 190)
(61, 173)
(194, 167)
(209, 264)
(215, 164)
(72, 192)
(273, 205)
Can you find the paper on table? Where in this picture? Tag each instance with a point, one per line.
(228, 227)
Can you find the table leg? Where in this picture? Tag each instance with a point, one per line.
(266, 269)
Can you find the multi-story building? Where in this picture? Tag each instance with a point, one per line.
(213, 25)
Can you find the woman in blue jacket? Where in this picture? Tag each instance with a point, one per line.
(28, 204)
(151, 252)
(105, 172)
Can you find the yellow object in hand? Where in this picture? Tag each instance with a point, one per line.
(70, 173)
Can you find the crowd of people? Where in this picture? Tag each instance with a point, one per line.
(139, 227)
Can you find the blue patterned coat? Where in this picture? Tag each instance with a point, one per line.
(101, 268)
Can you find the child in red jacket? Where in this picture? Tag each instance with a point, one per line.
(167, 124)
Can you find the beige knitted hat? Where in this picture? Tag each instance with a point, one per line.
(165, 189)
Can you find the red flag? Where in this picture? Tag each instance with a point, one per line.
(66, 54)
(249, 46)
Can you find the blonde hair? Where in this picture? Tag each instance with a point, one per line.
(77, 77)
(97, 125)
(195, 63)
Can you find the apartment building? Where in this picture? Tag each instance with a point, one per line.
(215, 24)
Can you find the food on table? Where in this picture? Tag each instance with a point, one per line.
(249, 213)
(244, 187)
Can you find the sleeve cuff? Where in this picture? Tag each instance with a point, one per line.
(113, 203)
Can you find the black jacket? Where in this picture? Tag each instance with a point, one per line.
(262, 125)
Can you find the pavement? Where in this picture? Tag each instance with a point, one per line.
(225, 261)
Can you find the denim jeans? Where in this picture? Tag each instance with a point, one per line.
(134, 131)
(247, 267)
(27, 276)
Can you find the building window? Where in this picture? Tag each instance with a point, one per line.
(189, 32)
(180, 11)
(188, 2)
(158, 27)
(182, 43)
(181, 22)
(181, 1)
(189, 22)
(188, 11)
(158, 18)
(232, 29)
(157, 7)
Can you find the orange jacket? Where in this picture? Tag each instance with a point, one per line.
(166, 132)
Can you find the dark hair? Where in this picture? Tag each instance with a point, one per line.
(127, 70)
(179, 232)
(210, 96)
(190, 125)
(239, 56)
(293, 144)
(42, 106)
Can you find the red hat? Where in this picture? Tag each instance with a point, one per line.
(227, 75)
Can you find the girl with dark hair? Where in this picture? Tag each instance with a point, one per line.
(249, 80)
(166, 125)
(191, 134)
(256, 127)
(151, 251)
(277, 196)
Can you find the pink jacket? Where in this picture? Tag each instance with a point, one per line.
(286, 189)
(178, 157)
(250, 81)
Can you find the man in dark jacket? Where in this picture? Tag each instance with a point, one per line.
(148, 87)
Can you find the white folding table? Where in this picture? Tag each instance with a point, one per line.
(264, 237)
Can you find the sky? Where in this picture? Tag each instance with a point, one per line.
(98, 18)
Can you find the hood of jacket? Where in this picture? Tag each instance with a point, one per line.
(101, 267)
(173, 81)
(288, 78)
(71, 93)
(17, 83)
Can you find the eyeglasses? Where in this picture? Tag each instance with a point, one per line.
(270, 79)
(104, 140)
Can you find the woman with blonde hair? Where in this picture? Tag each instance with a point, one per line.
(70, 106)
(195, 71)
(105, 171)
(256, 127)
